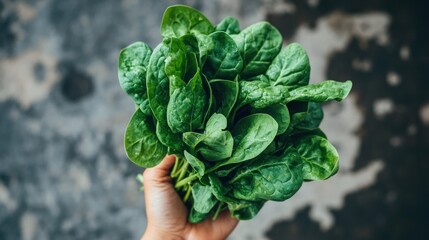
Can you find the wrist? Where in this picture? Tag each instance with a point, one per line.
(154, 234)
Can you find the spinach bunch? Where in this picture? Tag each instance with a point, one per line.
(234, 107)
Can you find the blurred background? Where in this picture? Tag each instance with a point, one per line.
(63, 169)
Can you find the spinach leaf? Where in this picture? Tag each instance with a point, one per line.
(252, 134)
(280, 113)
(229, 25)
(313, 117)
(290, 68)
(168, 60)
(132, 68)
(260, 94)
(141, 144)
(196, 217)
(218, 143)
(320, 158)
(223, 60)
(226, 94)
(321, 92)
(172, 140)
(203, 198)
(215, 144)
(259, 44)
(195, 163)
(180, 20)
(187, 106)
(269, 178)
(245, 210)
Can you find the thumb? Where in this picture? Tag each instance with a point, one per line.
(225, 224)
(159, 174)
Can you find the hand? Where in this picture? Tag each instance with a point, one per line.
(167, 214)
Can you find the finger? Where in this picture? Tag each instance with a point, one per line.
(225, 223)
(161, 172)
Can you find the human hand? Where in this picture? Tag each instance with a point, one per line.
(167, 214)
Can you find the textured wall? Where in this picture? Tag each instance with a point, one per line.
(63, 170)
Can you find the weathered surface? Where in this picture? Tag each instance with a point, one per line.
(63, 171)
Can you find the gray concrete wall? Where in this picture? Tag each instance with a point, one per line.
(63, 170)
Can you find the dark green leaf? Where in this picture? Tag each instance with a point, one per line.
(203, 198)
(169, 139)
(229, 25)
(259, 44)
(180, 20)
(223, 60)
(141, 144)
(269, 178)
(280, 113)
(187, 106)
(169, 56)
(252, 134)
(260, 94)
(245, 210)
(226, 94)
(319, 156)
(132, 68)
(195, 163)
(291, 67)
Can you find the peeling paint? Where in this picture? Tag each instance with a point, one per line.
(17, 79)
(424, 114)
(393, 79)
(382, 107)
(29, 225)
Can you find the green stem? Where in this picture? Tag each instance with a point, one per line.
(185, 181)
(218, 210)
(183, 171)
(188, 193)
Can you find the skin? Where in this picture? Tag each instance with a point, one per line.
(167, 215)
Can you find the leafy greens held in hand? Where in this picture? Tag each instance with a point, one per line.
(234, 107)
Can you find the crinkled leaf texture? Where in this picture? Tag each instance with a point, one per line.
(141, 144)
(320, 158)
(269, 178)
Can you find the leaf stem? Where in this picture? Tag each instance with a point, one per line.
(183, 171)
(185, 181)
(218, 210)
(188, 193)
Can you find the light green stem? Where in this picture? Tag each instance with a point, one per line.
(185, 181)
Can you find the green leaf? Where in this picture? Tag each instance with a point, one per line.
(196, 217)
(290, 68)
(195, 163)
(259, 44)
(269, 178)
(218, 189)
(132, 68)
(321, 92)
(203, 198)
(226, 94)
(229, 25)
(313, 117)
(245, 210)
(320, 158)
(215, 144)
(260, 94)
(168, 61)
(180, 20)
(223, 60)
(280, 113)
(187, 106)
(141, 144)
(168, 138)
(252, 134)
(218, 143)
